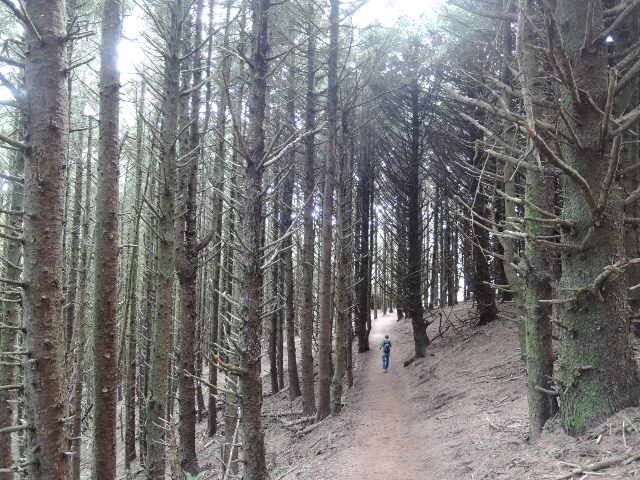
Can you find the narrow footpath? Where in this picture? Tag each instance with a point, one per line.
(382, 443)
(458, 414)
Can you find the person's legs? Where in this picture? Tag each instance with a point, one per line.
(385, 361)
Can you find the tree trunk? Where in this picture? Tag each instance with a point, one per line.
(325, 314)
(343, 277)
(11, 312)
(80, 326)
(347, 256)
(307, 313)
(415, 309)
(481, 284)
(187, 261)
(363, 283)
(287, 244)
(597, 375)
(158, 394)
(106, 250)
(275, 303)
(540, 191)
(149, 316)
(228, 327)
(132, 301)
(47, 129)
(433, 284)
(218, 179)
(251, 273)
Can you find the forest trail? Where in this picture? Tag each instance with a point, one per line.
(382, 444)
(459, 413)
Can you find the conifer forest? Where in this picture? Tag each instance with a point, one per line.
(213, 211)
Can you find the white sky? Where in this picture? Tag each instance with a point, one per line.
(387, 12)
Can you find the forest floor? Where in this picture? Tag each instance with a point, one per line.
(460, 413)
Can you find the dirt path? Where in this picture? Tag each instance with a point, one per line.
(458, 414)
(382, 444)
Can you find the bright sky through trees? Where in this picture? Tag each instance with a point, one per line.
(387, 12)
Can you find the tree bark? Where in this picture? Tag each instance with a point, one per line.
(363, 284)
(325, 310)
(540, 191)
(343, 281)
(251, 272)
(47, 129)
(187, 261)
(11, 313)
(132, 300)
(158, 394)
(218, 179)
(287, 244)
(307, 313)
(80, 326)
(106, 250)
(597, 375)
(433, 284)
(274, 371)
(148, 320)
(414, 306)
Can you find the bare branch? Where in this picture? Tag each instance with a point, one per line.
(570, 171)
(13, 143)
(621, 18)
(607, 181)
(22, 16)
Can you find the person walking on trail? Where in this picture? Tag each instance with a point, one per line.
(385, 346)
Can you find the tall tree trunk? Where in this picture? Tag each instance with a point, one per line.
(232, 270)
(481, 284)
(71, 354)
(47, 129)
(540, 191)
(72, 273)
(80, 326)
(373, 251)
(218, 179)
(228, 326)
(275, 302)
(363, 279)
(308, 249)
(106, 250)
(597, 375)
(325, 316)
(347, 256)
(444, 249)
(251, 274)
(187, 261)
(433, 284)
(158, 395)
(132, 301)
(415, 309)
(629, 97)
(148, 320)
(11, 312)
(343, 274)
(287, 244)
